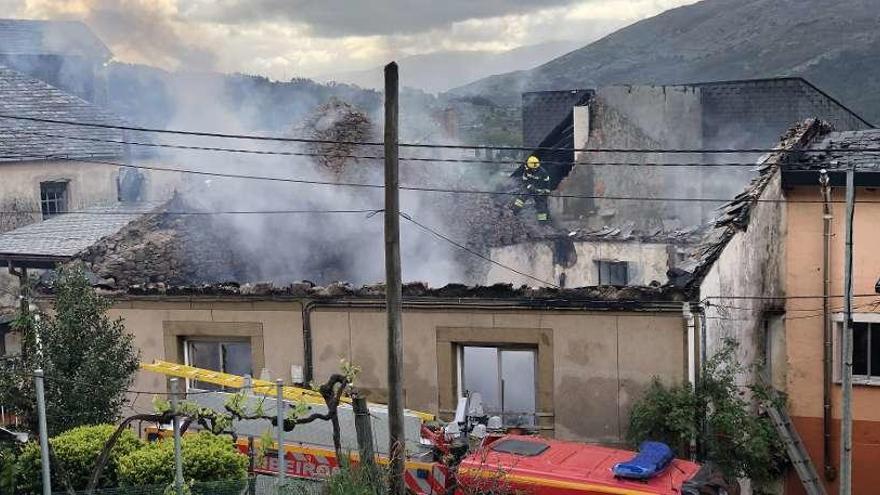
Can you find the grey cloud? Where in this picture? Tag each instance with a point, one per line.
(137, 27)
(333, 18)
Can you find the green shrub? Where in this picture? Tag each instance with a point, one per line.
(718, 416)
(75, 452)
(206, 457)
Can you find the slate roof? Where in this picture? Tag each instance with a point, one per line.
(834, 160)
(735, 216)
(544, 111)
(23, 96)
(33, 37)
(65, 236)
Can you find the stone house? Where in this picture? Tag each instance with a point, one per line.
(48, 169)
(714, 115)
(649, 239)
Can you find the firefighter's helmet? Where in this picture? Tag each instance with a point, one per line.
(532, 162)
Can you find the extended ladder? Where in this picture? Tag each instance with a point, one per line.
(259, 387)
(797, 452)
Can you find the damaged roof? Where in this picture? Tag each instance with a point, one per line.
(735, 215)
(604, 296)
(24, 140)
(64, 236)
(38, 37)
(833, 152)
(628, 233)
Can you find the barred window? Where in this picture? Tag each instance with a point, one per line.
(53, 198)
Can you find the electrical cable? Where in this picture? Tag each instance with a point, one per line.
(471, 251)
(194, 213)
(428, 189)
(255, 137)
(379, 158)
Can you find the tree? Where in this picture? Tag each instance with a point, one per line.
(88, 358)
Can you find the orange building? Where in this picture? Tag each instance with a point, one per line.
(772, 277)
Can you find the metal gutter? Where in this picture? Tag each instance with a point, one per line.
(828, 463)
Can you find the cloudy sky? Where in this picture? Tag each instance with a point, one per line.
(287, 38)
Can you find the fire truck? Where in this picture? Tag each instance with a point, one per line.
(459, 458)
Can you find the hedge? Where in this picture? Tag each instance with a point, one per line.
(76, 451)
(206, 457)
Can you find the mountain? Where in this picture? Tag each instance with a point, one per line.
(440, 71)
(833, 44)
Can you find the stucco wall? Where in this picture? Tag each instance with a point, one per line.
(750, 270)
(648, 262)
(87, 184)
(599, 361)
(635, 117)
(280, 324)
(804, 325)
(804, 276)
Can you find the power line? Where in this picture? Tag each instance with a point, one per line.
(429, 189)
(375, 157)
(193, 213)
(471, 251)
(773, 298)
(419, 145)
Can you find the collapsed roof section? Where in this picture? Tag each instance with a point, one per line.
(736, 214)
(586, 297)
(65, 236)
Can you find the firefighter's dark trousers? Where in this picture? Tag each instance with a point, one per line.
(543, 212)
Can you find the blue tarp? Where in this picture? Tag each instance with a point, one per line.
(653, 458)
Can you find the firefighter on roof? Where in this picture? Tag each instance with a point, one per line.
(536, 182)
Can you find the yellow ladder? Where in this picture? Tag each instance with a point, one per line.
(260, 387)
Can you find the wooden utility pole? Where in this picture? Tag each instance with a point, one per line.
(363, 427)
(846, 421)
(396, 446)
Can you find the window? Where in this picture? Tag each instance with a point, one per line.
(866, 350)
(227, 356)
(505, 379)
(612, 272)
(53, 198)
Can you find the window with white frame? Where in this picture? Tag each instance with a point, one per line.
(866, 350)
(227, 356)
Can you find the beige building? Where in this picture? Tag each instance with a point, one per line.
(764, 277)
(571, 364)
